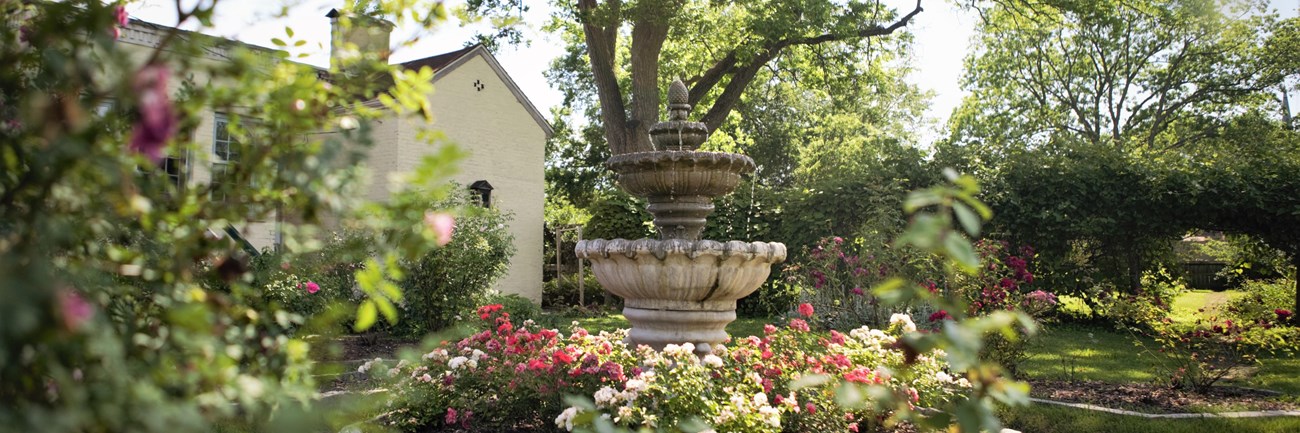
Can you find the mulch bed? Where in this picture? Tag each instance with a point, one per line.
(1152, 398)
(344, 353)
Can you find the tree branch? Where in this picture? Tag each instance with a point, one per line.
(741, 76)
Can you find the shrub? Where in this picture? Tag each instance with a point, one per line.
(563, 292)
(288, 281)
(1264, 301)
(616, 214)
(1002, 284)
(449, 281)
(836, 277)
(1199, 357)
(509, 376)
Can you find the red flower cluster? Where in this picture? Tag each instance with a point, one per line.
(940, 315)
(806, 309)
(485, 311)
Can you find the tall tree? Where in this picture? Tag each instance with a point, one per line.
(1150, 75)
(729, 44)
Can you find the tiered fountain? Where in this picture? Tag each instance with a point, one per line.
(680, 288)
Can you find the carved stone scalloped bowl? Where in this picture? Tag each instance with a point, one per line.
(680, 290)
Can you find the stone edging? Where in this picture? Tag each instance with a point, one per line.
(1248, 414)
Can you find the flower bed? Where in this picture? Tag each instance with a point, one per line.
(514, 377)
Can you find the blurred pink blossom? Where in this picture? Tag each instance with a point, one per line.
(312, 287)
(157, 121)
(806, 309)
(442, 224)
(75, 310)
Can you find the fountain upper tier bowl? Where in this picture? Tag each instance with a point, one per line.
(680, 185)
(680, 172)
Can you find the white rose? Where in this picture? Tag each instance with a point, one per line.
(566, 418)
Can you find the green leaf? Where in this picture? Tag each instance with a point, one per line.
(366, 315)
(969, 221)
(278, 42)
(919, 199)
(960, 249)
(849, 396)
(386, 307)
(809, 380)
(693, 425)
(288, 31)
(581, 402)
(893, 291)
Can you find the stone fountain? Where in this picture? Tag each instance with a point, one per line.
(680, 288)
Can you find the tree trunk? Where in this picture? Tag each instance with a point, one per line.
(1295, 263)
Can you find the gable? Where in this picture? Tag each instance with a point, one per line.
(447, 64)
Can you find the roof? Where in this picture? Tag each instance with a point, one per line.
(436, 63)
(445, 63)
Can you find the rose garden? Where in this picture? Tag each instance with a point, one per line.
(1103, 236)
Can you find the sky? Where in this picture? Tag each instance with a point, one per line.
(942, 40)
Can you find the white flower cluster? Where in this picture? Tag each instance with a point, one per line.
(437, 355)
(872, 338)
(742, 405)
(565, 420)
(903, 319)
(712, 360)
(461, 361)
(943, 377)
(684, 350)
(371, 363)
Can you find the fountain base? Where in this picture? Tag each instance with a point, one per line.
(658, 328)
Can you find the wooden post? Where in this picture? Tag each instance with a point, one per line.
(558, 274)
(582, 292)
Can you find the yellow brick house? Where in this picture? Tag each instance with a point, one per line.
(476, 105)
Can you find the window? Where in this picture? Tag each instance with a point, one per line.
(175, 170)
(483, 190)
(225, 148)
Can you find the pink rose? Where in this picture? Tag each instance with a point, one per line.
(312, 287)
(75, 310)
(442, 224)
(806, 309)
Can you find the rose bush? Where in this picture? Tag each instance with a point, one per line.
(1002, 284)
(836, 276)
(511, 375)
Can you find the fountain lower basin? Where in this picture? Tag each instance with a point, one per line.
(680, 290)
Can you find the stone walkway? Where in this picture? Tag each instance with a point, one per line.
(1248, 414)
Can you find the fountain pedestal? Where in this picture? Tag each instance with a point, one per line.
(679, 288)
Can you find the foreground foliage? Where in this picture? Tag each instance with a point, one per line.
(509, 376)
(127, 307)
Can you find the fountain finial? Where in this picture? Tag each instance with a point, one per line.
(678, 101)
(678, 133)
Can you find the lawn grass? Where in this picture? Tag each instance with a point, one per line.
(1050, 418)
(1075, 352)
(742, 327)
(1186, 307)
(1067, 352)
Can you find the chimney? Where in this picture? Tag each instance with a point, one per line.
(365, 37)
